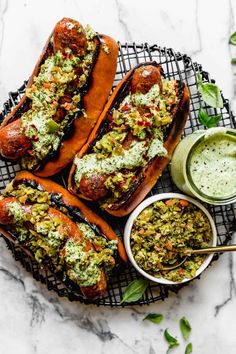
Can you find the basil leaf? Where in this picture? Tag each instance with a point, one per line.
(233, 61)
(173, 342)
(210, 93)
(232, 39)
(154, 317)
(185, 327)
(189, 348)
(135, 290)
(206, 120)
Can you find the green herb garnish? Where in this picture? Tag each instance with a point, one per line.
(173, 342)
(189, 348)
(185, 327)
(210, 93)
(206, 120)
(135, 290)
(233, 61)
(232, 39)
(154, 317)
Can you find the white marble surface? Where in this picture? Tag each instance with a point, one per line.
(34, 320)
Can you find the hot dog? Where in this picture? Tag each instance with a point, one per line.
(133, 140)
(60, 232)
(64, 98)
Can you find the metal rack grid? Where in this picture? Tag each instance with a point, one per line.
(175, 66)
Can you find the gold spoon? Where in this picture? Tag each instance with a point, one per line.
(216, 249)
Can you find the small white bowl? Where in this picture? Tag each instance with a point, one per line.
(139, 209)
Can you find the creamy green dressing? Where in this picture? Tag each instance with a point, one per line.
(212, 165)
(83, 267)
(156, 148)
(90, 235)
(151, 98)
(128, 159)
(46, 140)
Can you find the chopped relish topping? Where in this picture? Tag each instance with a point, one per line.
(54, 99)
(106, 49)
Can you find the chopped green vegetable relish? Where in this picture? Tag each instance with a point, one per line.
(162, 235)
(54, 99)
(47, 238)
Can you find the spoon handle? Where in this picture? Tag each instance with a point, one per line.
(227, 248)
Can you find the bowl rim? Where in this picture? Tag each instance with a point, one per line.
(140, 208)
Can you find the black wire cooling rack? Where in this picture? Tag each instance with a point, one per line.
(176, 66)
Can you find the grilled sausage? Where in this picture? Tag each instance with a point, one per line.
(5, 217)
(94, 187)
(13, 143)
(145, 77)
(69, 34)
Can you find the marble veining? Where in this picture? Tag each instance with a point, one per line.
(35, 320)
(231, 287)
(199, 49)
(121, 17)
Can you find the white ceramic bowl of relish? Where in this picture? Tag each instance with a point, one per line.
(148, 202)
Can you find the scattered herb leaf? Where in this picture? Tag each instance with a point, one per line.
(189, 348)
(173, 342)
(185, 327)
(233, 61)
(206, 120)
(154, 317)
(135, 290)
(232, 38)
(210, 93)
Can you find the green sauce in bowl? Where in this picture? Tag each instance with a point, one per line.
(204, 165)
(211, 166)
